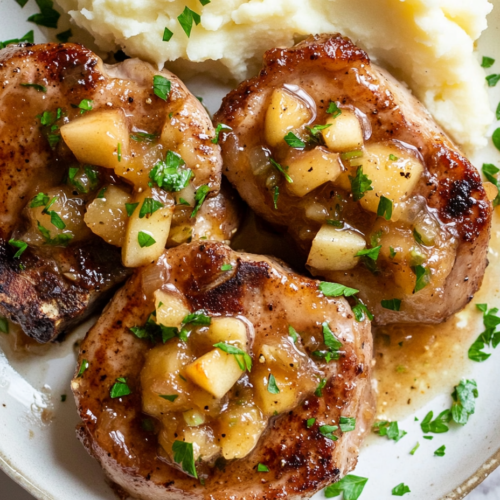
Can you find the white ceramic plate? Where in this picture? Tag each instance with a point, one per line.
(38, 447)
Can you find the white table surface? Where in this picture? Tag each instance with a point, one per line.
(488, 490)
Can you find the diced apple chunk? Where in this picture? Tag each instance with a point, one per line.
(96, 137)
(311, 169)
(147, 236)
(194, 417)
(216, 372)
(285, 113)
(170, 309)
(344, 133)
(286, 399)
(107, 216)
(240, 428)
(335, 250)
(228, 330)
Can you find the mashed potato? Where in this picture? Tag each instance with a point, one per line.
(427, 43)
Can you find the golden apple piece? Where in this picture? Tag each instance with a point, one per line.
(98, 137)
(335, 249)
(228, 330)
(170, 309)
(344, 133)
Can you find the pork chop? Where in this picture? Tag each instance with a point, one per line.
(332, 149)
(289, 425)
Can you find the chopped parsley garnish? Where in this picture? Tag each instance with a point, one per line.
(243, 359)
(154, 332)
(64, 36)
(360, 184)
(22, 3)
(169, 175)
(182, 201)
(226, 267)
(83, 368)
(167, 35)
(487, 62)
(119, 152)
(496, 138)
(161, 86)
(351, 486)
(336, 290)
(334, 223)
(276, 193)
(314, 131)
(85, 105)
(101, 193)
(464, 401)
(197, 318)
(440, 451)
(47, 17)
(149, 207)
(310, 422)
(319, 390)
(20, 245)
(391, 304)
(143, 137)
(204, 2)
(490, 171)
(59, 240)
(184, 455)
(262, 468)
(423, 277)
(430, 438)
(389, 429)
(360, 311)
(130, 208)
(328, 430)
(331, 342)
(333, 109)
(279, 168)
(400, 490)
(199, 198)
(393, 158)
(418, 237)
(220, 127)
(293, 141)
(170, 398)
(490, 337)
(272, 386)
(145, 239)
(384, 208)
(415, 448)
(36, 86)
(120, 388)
(492, 80)
(83, 181)
(4, 325)
(392, 253)
(347, 424)
(293, 333)
(371, 253)
(26, 38)
(437, 426)
(186, 20)
(350, 155)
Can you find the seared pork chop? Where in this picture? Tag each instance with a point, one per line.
(331, 148)
(151, 381)
(90, 154)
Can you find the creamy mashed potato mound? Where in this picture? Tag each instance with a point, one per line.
(427, 43)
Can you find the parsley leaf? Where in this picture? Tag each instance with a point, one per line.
(423, 277)
(336, 290)
(28, 37)
(319, 390)
(328, 430)
(490, 337)
(199, 198)
(490, 171)
(64, 36)
(85, 105)
(310, 422)
(220, 127)
(437, 426)
(36, 86)
(351, 486)
(333, 109)
(4, 325)
(440, 451)
(391, 304)
(197, 318)
(161, 87)
(262, 468)
(184, 455)
(168, 175)
(415, 448)
(293, 141)
(384, 208)
(464, 401)
(83, 368)
(170, 398)
(226, 267)
(279, 168)
(243, 359)
(186, 20)
(130, 208)
(152, 331)
(487, 62)
(272, 386)
(20, 245)
(492, 80)
(389, 429)
(371, 253)
(143, 137)
(47, 17)
(149, 207)
(60, 240)
(400, 490)
(293, 333)
(360, 184)
(331, 342)
(360, 310)
(145, 239)
(120, 388)
(314, 131)
(167, 35)
(347, 424)
(276, 193)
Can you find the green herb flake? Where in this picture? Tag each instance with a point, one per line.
(36, 86)
(20, 245)
(423, 277)
(335, 223)
(39, 200)
(199, 198)
(276, 193)
(400, 490)
(492, 80)
(64, 36)
(169, 175)
(351, 486)
(490, 337)
(371, 253)
(167, 35)
(347, 424)
(22, 3)
(393, 158)
(149, 207)
(391, 304)
(415, 448)
(226, 267)
(83, 368)
(440, 452)
(360, 311)
(437, 426)
(279, 168)
(205, 2)
(310, 422)
(28, 38)
(389, 429)
(161, 87)
(319, 390)
(220, 128)
(197, 318)
(243, 359)
(59, 240)
(130, 208)
(63, 398)
(145, 239)
(47, 17)
(360, 184)
(272, 386)
(384, 208)
(334, 110)
(464, 401)
(170, 398)
(186, 20)
(143, 137)
(4, 325)
(490, 171)
(314, 131)
(336, 290)
(328, 430)
(293, 333)
(262, 468)
(120, 388)
(184, 455)
(392, 253)
(293, 141)
(487, 62)
(351, 155)
(85, 105)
